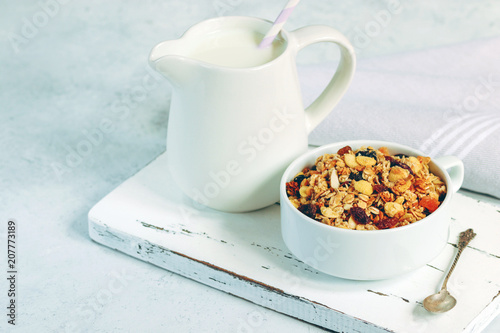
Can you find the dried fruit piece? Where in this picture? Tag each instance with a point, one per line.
(309, 210)
(299, 178)
(387, 223)
(356, 176)
(364, 187)
(359, 215)
(384, 150)
(344, 150)
(292, 189)
(368, 153)
(380, 188)
(396, 162)
(430, 203)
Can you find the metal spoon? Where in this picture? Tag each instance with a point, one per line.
(443, 301)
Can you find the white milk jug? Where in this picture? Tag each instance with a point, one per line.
(236, 116)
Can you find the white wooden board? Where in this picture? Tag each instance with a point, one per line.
(243, 254)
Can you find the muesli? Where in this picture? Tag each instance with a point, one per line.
(367, 189)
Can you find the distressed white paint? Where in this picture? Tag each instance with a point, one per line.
(243, 254)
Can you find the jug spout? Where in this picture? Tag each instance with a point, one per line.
(167, 58)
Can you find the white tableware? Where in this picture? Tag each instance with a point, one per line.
(374, 254)
(236, 115)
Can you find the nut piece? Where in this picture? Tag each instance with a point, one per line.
(400, 200)
(350, 160)
(364, 187)
(393, 208)
(398, 173)
(305, 191)
(401, 186)
(351, 224)
(414, 164)
(295, 202)
(334, 179)
(328, 212)
(365, 160)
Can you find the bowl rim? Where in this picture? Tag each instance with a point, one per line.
(367, 143)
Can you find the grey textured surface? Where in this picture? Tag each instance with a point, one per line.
(80, 112)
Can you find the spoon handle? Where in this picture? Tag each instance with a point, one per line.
(464, 239)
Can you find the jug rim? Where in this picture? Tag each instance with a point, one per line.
(219, 22)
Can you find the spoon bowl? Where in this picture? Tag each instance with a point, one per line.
(440, 302)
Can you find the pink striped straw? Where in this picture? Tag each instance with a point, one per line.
(278, 24)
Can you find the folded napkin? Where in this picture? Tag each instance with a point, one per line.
(443, 101)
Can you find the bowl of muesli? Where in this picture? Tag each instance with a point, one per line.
(367, 210)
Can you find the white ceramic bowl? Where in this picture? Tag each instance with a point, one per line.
(373, 254)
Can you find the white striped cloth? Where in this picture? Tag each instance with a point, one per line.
(443, 101)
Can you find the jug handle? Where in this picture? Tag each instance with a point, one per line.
(340, 81)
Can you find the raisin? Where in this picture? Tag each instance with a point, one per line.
(395, 162)
(387, 223)
(359, 215)
(345, 150)
(380, 188)
(368, 153)
(309, 210)
(299, 179)
(442, 196)
(356, 176)
(405, 166)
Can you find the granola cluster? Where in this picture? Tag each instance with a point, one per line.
(367, 189)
